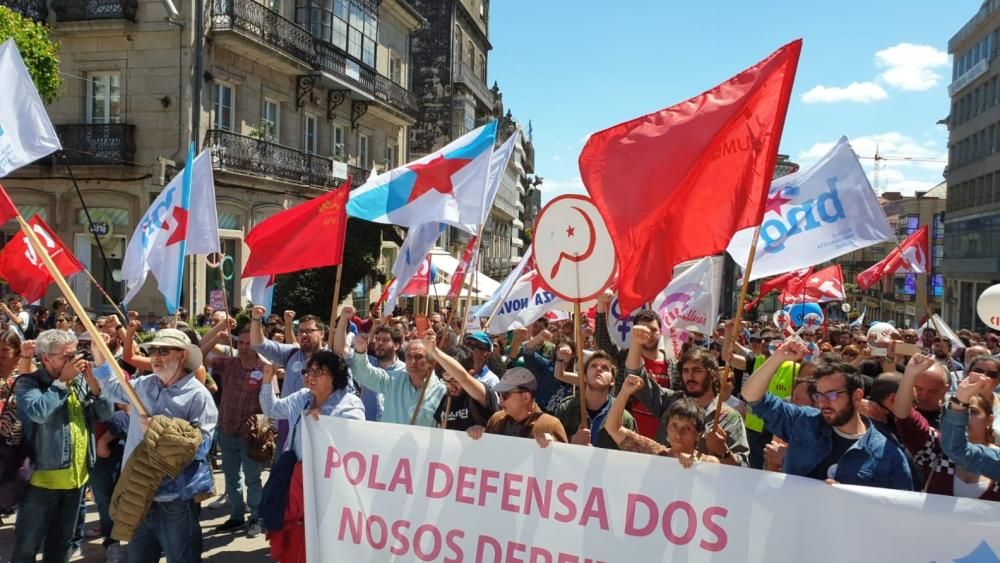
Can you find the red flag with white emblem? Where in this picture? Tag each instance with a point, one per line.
(908, 257)
(25, 272)
(821, 287)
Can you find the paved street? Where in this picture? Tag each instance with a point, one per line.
(223, 548)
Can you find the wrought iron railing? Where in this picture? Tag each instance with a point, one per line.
(358, 175)
(266, 25)
(463, 74)
(32, 9)
(331, 59)
(109, 144)
(254, 156)
(83, 10)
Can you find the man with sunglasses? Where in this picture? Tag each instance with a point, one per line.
(832, 441)
(482, 346)
(521, 416)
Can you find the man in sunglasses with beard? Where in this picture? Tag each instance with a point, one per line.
(832, 441)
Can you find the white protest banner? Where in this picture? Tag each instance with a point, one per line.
(26, 134)
(815, 215)
(386, 492)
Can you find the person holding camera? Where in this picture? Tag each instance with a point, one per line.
(57, 405)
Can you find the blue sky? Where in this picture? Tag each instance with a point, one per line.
(876, 71)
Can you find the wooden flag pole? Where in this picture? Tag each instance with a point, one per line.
(336, 305)
(727, 372)
(81, 314)
(581, 374)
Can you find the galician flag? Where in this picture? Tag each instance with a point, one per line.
(184, 210)
(446, 186)
(260, 292)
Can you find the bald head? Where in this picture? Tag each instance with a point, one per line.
(973, 351)
(930, 387)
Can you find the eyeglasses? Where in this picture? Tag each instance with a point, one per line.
(67, 356)
(308, 330)
(507, 394)
(317, 372)
(161, 350)
(992, 374)
(830, 396)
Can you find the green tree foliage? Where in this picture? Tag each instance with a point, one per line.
(40, 53)
(311, 291)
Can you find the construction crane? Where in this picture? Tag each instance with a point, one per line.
(880, 163)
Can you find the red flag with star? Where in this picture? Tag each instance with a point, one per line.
(776, 283)
(675, 184)
(25, 272)
(309, 235)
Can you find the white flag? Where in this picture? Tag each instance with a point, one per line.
(160, 240)
(691, 299)
(26, 134)
(260, 291)
(419, 242)
(520, 300)
(498, 169)
(815, 215)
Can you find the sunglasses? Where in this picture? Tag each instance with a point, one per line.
(161, 350)
(830, 396)
(992, 374)
(507, 394)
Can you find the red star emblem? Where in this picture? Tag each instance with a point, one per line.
(570, 231)
(180, 216)
(435, 175)
(775, 201)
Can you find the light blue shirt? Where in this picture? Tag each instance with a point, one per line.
(292, 358)
(375, 402)
(400, 395)
(487, 377)
(342, 404)
(187, 399)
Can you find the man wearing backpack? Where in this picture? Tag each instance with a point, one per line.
(57, 405)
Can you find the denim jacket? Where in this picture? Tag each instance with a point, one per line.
(42, 410)
(976, 458)
(873, 460)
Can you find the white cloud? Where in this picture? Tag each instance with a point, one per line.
(894, 175)
(910, 67)
(552, 188)
(859, 92)
(556, 158)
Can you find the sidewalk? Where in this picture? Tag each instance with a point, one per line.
(219, 548)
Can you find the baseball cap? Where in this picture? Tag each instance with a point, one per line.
(515, 378)
(480, 337)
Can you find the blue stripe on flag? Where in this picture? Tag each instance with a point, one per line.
(481, 143)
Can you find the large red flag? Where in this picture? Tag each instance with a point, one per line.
(823, 286)
(7, 209)
(458, 278)
(421, 282)
(676, 184)
(309, 235)
(777, 282)
(25, 272)
(908, 257)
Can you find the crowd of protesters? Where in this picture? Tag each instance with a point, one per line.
(898, 409)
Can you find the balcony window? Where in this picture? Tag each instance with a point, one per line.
(396, 69)
(391, 153)
(347, 25)
(222, 107)
(937, 285)
(363, 142)
(271, 119)
(104, 98)
(338, 143)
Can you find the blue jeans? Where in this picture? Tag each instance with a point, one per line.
(234, 457)
(102, 482)
(170, 528)
(46, 520)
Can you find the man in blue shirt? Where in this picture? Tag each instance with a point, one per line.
(833, 442)
(482, 346)
(383, 353)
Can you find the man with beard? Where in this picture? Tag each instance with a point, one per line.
(292, 358)
(386, 342)
(171, 525)
(833, 443)
(482, 346)
(700, 379)
(941, 349)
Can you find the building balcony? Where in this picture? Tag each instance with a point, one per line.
(35, 10)
(87, 10)
(464, 75)
(97, 144)
(246, 155)
(283, 38)
(347, 71)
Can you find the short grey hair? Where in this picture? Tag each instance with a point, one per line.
(49, 341)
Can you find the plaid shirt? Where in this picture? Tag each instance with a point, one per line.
(240, 390)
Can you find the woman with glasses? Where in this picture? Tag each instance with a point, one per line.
(325, 391)
(942, 474)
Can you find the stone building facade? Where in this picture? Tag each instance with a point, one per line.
(297, 95)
